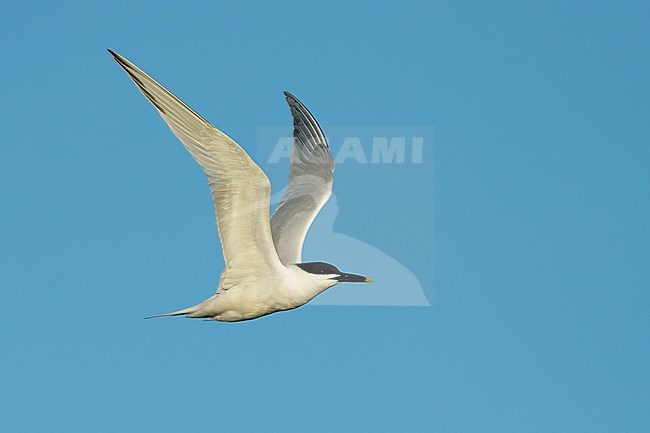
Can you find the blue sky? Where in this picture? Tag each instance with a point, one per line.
(530, 238)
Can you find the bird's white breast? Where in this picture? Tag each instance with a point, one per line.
(255, 297)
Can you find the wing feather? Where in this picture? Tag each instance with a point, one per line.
(240, 189)
(310, 184)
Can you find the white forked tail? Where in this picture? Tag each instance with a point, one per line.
(189, 311)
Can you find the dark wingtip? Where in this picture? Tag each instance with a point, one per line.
(119, 59)
(292, 100)
(288, 95)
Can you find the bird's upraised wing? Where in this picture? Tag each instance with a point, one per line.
(240, 189)
(310, 184)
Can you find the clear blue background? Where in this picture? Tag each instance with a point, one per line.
(540, 315)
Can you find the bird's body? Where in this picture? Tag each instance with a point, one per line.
(288, 289)
(263, 272)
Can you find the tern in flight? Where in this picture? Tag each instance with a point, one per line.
(262, 255)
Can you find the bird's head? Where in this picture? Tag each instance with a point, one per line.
(330, 273)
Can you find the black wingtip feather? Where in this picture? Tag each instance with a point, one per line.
(304, 121)
(122, 62)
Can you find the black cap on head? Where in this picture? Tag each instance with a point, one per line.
(321, 268)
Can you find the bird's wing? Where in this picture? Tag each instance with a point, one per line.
(310, 184)
(240, 189)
